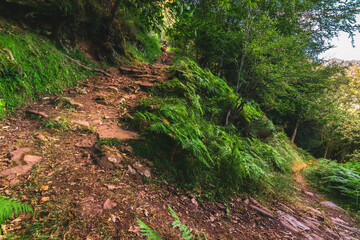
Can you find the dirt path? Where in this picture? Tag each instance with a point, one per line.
(50, 157)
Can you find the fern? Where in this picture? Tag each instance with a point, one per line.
(146, 231)
(182, 227)
(9, 206)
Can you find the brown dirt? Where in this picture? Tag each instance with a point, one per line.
(76, 198)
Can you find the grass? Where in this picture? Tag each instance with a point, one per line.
(31, 66)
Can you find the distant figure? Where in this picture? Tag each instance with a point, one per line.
(163, 52)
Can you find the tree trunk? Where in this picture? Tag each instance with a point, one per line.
(295, 131)
(326, 150)
(113, 13)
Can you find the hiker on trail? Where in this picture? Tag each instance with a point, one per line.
(163, 52)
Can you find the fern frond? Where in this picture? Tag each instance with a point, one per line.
(146, 231)
(182, 227)
(9, 206)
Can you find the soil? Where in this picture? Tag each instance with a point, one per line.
(81, 190)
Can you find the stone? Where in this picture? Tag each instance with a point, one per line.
(108, 204)
(142, 170)
(132, 170)
(36, 113)
(262, 212)
(101, 100)
(40, 137)
(72, 103)
(112, 89)
(21, 169)
(310, 194)
(331, 205)
(90, 208)
(31, 160)
(85, 143)
(97, 122)
(81, 123)
(113, 131)
(145, 84)
(293, 221)
(17, 154)
(193, 201)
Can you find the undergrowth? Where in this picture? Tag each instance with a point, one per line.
(187, 139)
(341, 181)
(148, 232)
(31, 66)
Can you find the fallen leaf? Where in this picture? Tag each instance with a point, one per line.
(44, 199)
(44, 188)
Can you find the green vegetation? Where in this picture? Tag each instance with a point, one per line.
(31, 66)
(8, 207)
(187, 139)
(341, 181)
(146, 231)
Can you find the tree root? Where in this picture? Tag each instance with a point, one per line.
(87, 68)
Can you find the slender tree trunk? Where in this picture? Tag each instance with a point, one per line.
(326, 150)
(295, 131)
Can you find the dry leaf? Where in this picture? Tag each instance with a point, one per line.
(44, 199)
(44, 188)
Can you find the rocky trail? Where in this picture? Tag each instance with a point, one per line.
(50, 157)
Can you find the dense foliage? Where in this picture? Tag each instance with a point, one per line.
(186, 137)
(267, 52)
(341, 181)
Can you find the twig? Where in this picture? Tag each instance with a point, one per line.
(87, 68)
(10, 54)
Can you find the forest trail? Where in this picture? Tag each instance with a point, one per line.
(51, 158)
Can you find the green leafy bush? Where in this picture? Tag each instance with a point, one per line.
(9, 206)
(186, 137)
(340, 180)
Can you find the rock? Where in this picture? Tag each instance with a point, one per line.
(72, 103)
(31, 160)
(293, 221)
(17, 154)
(132, 96)
(108, 204)
(90, 208)
(40, 137)
(310, 194)
(36, 113)
(113, 131)
(331, 205)
(112, 89)
(85, 143)
(262, 211)
(288, 226)
(101, 100)
(142, 170)
(193, 200)
(81, 123)
(145, 84)
(132, 170)
(21, 169)
(97, 122)
(108, 158)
